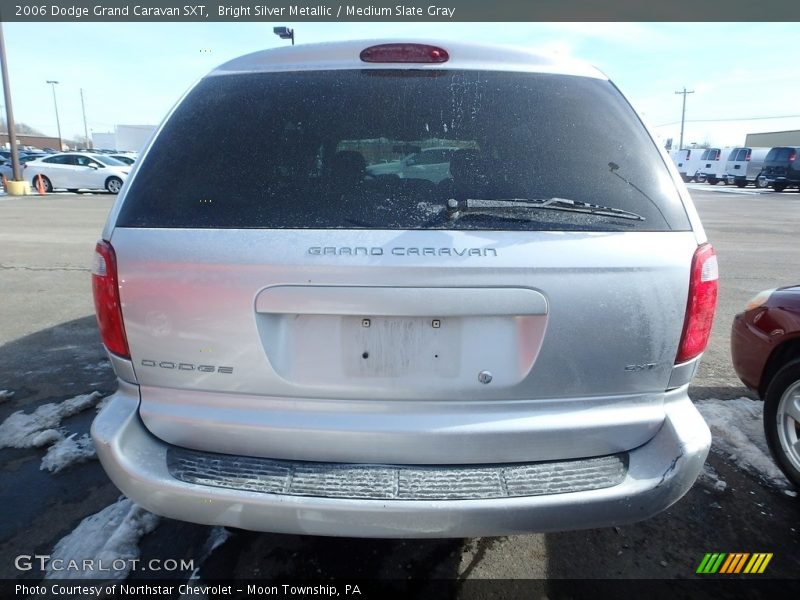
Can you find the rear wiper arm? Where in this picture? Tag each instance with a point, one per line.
(564, 204)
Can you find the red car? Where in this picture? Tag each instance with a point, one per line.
(765, 347)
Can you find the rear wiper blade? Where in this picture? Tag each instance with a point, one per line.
(564, 204)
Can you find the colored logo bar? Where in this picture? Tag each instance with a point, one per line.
(734, 563)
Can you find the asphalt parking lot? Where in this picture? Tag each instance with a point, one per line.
(50, 352)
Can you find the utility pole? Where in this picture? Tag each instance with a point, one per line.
(85, 129)
(683, 114)
(58, 123)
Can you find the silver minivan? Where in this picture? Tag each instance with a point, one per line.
(303, 347)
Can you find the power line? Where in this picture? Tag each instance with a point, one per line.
(731, 119)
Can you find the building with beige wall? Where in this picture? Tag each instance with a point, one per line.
(773, 138)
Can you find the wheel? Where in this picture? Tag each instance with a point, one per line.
(686, 178)
(782, 420)
(778, 187)
(114, 185)
(712, 180)
(48, 187)
(741, 184)
(760, 183)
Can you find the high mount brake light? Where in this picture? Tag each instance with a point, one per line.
(701, 305)
(107, 305)
(404, 53)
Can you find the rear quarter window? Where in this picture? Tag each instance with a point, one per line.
(326, 150)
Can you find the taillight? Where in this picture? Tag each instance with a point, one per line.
(701, 305)
(404, 53)
(748, 155)
(792, 156)
(106, 300)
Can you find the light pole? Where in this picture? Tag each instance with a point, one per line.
(58, 123)
(85, 129)
(683, 114)
(285, 33)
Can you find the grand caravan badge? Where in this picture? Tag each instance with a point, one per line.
(399, 251)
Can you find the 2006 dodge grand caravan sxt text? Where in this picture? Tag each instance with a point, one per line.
(307, 344)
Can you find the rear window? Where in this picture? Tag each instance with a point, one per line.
(387, 149)
(738, 154)
(780, 154)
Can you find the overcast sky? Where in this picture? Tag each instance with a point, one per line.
(743, 74)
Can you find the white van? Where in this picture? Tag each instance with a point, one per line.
(680, 158)
(712, 165)
(744, 166)
(691, 165)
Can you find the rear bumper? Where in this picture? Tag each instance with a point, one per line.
(770, 180)
(659, 473)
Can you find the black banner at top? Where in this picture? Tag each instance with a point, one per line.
(399, 10)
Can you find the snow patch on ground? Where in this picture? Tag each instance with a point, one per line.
(109, 537)
(46, 437)
(6, 395)
(216, 537)
(66, 452)
(737, 432)
(710, 474)
(21, 430)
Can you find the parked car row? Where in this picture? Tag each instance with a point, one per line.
(776, 167)
(74, 171)
(24, 157)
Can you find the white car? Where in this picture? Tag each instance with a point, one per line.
(430, 163)
(78, 170)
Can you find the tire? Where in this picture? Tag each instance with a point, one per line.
(712, 180)
(741, 184)
(48, 186)
(778, 187)
(114, 184)
(760, 183)
(782, 420)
